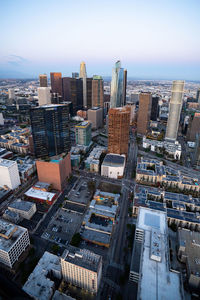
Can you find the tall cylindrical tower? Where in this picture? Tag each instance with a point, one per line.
(175, 107)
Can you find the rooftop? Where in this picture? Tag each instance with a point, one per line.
(21, 205)
(114, 160)
(6, 163)
(38, 194)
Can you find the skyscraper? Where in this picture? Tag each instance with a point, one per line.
(97, 91)
(56, 83)
(50, 129)
(83, 133)
(44, 95)
(83, 75)
(118, 130)
(117, 84)
(194, 127)
(124, 87)
(43, 80)
(88, 92)
(144, 112)
(75, 75)
(175, 107)
(72, 90)
(154, 108)
(198, 95)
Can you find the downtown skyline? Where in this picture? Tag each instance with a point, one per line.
(153, 40)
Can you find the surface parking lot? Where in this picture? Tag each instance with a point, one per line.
(80, 193)
(63, 226)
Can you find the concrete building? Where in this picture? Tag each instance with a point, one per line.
(118, 130)
(44, 95)
(40, 284)
(14, 240)
(97, 91)
(95, 116)
(11, 93)
(56, 82)
(175, 107)
(150, 271)
(56, 171)
(92, 163)
(1, 119)
(144, 113)
(43, 80)
(9, 174)
(11, 216)
(117, 85)
(113, 166)
(188, 253)
(83, 133)
(83, 75)
(194, 127)
(82, 268)
(40, 196)
(24, 208)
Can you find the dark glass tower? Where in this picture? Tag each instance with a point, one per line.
(50, 129)
(89, 92)
(72, 90)
(154, 108)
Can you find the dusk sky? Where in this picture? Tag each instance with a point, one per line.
(154, 39)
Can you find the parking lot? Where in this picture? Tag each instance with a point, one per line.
(63, 226)
(31, 224)
(80, 193)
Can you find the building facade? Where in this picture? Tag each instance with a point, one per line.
(95, 116)
(83, 133)
(24, 208)
(117, 85)
(50, 129)
(124, 87)
(118, 130)
(44, 95)
(9, 174)
(154, 108)
(56, 82)
(83, 75)
(144, 113)
(194, 128)
(72, 90)
(175, 107)
(97, 91)
(43, 80)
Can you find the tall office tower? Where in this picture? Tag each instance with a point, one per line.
(72, 90)
(44, 95)
(50, 129)
(97, 91)
(43, 80)
(75, 75)
(83, 133)
(198, 95)
(194, 128)
(145, 101)
(175, 107)
(117, 83)
(95, 116)
(88, 92)
(83, 75)
(124, 87)
(118, 130)
(11, 93)
(154, 108)
(56, 83)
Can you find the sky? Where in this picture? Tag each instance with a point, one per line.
(154, 39)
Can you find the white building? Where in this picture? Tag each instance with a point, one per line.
(113, 166)
(82, 268)
(151, 270)
(1, 119)
(14, 240)
(44, 95)
(24, 208)
(9, 174)
(11, 93)
(39, 285)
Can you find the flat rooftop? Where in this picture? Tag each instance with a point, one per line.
(38, 194)
(114, 160)
(6, 163)
(21, 205)
(82, 258)
(96, 236)
(156, 280)
(9, 234)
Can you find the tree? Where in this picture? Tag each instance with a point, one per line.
(76, 239)
(91, 186)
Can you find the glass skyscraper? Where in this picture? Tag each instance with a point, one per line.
(117, 84)
(50, 130)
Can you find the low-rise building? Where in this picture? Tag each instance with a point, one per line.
(14, 240)
(11, 216)
(82, 268)
(39, 285)
(41, 196)
(92, 163)
(9, 174)
(24, 208)
(113, 166)
(149, 268)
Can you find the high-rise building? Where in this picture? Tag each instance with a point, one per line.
(198, 95)
(89, 92)
(175, 107)
(154, 108)
(11, 93)
(83, 75)
(97, 91)
(50, 129)
(9, 174)
(124, 87)
(75, 75)
(56, 82)
(118, 130)
(95, 116)
(72, 90)
(144, 112)
(43, 80)
(1, 119)
(117, 84)
(44, 95)
(83, 133)
(194, 128)
(82, 268)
